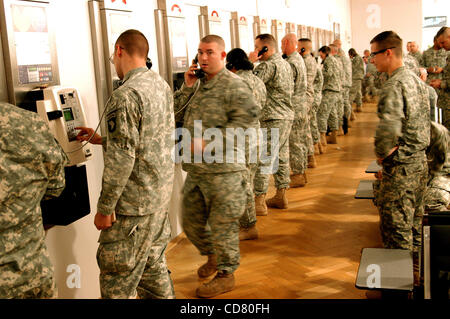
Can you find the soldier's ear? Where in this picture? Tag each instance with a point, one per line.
(223, 55)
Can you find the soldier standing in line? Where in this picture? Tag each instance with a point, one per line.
(327, 115)
(298, 138)
(277, 114)
(215, 192)
(32, 168)
(238, 62)
(347, 105)
(318, 85)
(357, 77)
(401, 139)
(304, 47)
(340, 104)
(137, 177)
(443, 85)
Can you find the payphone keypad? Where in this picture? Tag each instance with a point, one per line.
(71, 113)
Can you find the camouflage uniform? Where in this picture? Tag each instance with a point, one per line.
(137, 184)
(299, 141)
(31, 168)
(259, 93)
(433, 102)
(444, 95)
(436, 58)
(437, 195)
(278, 113)
(357, 77)
(403, 110)
(311, 72)
(318, 84)
(215, 194)
(347, 84)
(343, 82)
(369, 87)
(417, 56)
(412, 64)
(332, 79)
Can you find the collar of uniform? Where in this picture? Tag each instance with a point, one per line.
(398, 70)
(275, 56)
(239, 72)
(293, 54)
(133, 72)
(211, 83)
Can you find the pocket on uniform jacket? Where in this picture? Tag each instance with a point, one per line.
(116, 252)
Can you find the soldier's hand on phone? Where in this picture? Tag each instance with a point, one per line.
(189, 75)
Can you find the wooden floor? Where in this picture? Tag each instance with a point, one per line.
(311, 250)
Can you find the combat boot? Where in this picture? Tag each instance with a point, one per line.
(209, 268)
(298, 180)
(359, 108)
(260, 205)
(323, 142)
(248, 233)
(220, 284)
(353, 116)
(332, 138)
(312, 161)
(316, 149)
(321, 150)
(279, 200)
(340, 132)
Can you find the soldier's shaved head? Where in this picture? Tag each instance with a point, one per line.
(333, 48)
(134, 43)
(289, 43)
(305, 43)
(291, 38)
(338, 43)
(268, 40)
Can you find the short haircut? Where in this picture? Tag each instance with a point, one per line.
(238, 59)
(352, 52)
(333, 48)
(267, 39)
(389, 39)
(134, 43)
(214, 38)
(441, 32)
(304, 40)
(325, 49)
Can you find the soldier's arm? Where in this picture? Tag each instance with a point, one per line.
(264, 71)
(390, 112)
(123, 137)
(55, 160)
(445, 83)
(180, 98)
(242, 108)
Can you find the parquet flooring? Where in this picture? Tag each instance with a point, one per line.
(312, 249)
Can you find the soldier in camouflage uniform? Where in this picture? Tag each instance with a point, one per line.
(237, 62)
(415, 53)
(277, 114)
(369, 87)
(340, 105)
(298, 139)
(304, 48)
(401, 139)
(437, 195)
(357, 77)
(443, 85)
(318, 85)
(347, 85)
(327, 114)
(32, 168)
(137, 178)
(215, 192)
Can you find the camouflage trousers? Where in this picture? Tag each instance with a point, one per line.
(355, 93)
(437, 195)
(328, 111)
(212, 207)
(347, 103)
(399, 199)
(308, 138)
(131, 258)
(281, 175)
(340, 108)
(313, 118)
(368, 86)
(28, 274)
(298, 150)
(248, 219)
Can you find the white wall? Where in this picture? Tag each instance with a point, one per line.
(433, 8)
(370, 17)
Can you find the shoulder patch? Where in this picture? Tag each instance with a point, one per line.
(111, 120)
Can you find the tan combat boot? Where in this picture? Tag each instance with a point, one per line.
(316, 149)
(209, 268)
(248, 233)
(323, 142)
(312, 161)
(220, 284)
(260, 205)
(321, 150)
(279, 200)
(332, 138)
(298, 180)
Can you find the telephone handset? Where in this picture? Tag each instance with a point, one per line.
(264, 50)
(63, 110)
(199, 73)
